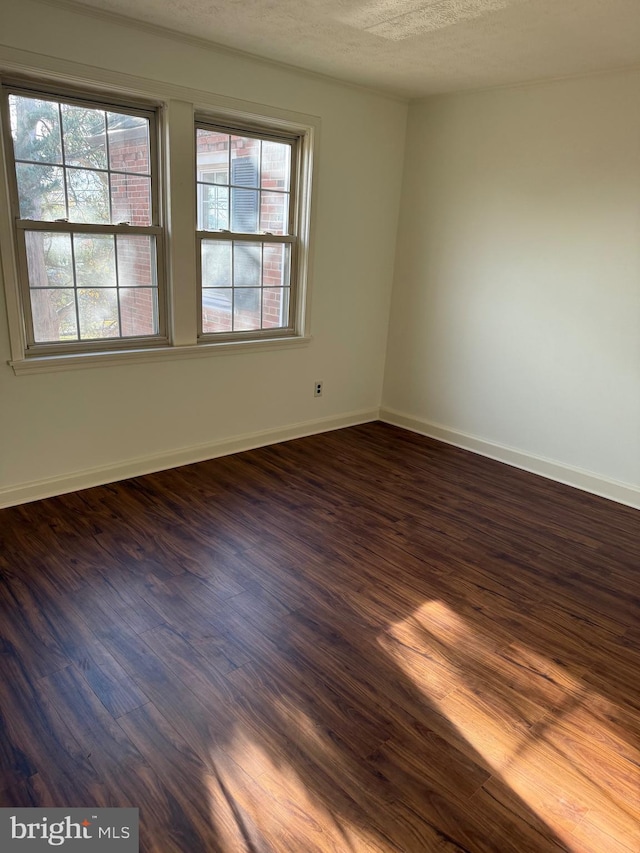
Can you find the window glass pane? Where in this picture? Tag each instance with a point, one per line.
(131, 199)
(246, 264)
(253, 307)
(84, 137)
(213, 207)
(216, 309)
(246, 309)
(49, 260)
(35, 128)
(41, 192)
(276, 264)
(88, 194)
(95, 260)
(129, 149)
(54, 315)
(138, 311)
(136, 260)
(245, 161)
(276, 166)
(274, 213)
(244, 210)
(275, 307)
(98, 312)
(216, 264)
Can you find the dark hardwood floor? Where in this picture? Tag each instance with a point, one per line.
(359, 641)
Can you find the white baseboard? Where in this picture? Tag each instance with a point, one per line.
(587, 481)
(46, 488)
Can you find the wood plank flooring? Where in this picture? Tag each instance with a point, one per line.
(358, 641)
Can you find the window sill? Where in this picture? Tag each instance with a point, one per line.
(81, 361)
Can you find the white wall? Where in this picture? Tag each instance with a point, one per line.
(112, 421)
(515, 325)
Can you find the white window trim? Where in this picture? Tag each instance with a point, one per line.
(114, 358)
(179, 105)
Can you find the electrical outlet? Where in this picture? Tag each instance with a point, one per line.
(317, 389)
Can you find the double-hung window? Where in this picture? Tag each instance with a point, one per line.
(94, 180)
(248, 231)
(85, 204)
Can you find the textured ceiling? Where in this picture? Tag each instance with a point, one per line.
(412, 47)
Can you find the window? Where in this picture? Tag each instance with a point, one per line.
(213, 199)
(86, 212)
(247, 231)
(97, 243)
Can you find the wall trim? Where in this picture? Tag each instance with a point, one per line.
(587, 481)
(114, 358)
(52, 486)
(18, 62)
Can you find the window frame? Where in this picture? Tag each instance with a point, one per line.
(91, 100)
(175, 106)
(262, 131)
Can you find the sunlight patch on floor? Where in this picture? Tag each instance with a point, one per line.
(256, 800)
(542, 732)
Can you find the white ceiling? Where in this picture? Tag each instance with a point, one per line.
(412, 47)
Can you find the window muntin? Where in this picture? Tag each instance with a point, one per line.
(247, 232)
(86, 211)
